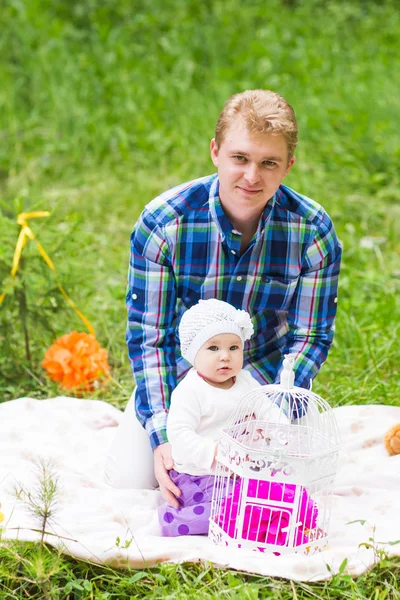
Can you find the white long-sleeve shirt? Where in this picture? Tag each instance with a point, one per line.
(196, 416)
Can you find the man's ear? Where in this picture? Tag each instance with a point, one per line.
(214, 152)
(290, 165)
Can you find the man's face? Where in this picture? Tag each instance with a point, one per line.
(250, 166)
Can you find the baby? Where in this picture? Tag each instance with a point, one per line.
(212, 335)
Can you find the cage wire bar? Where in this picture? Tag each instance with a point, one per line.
(275, 469)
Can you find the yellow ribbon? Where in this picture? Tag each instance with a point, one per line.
(26, 233)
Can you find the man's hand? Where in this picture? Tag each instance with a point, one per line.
(162, 464)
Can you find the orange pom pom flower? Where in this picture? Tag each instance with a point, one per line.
(76, 361)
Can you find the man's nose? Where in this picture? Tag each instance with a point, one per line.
(252, 173)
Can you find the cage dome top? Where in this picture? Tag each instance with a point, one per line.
(285, 419)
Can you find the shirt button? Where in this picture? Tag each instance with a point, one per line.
(233, 251)
(134, 296)
(335, 300)
(239, 278)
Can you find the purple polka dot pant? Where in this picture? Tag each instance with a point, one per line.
(192, 517)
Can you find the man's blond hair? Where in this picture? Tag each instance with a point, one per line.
(263, 111)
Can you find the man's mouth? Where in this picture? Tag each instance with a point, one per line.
(249, 191)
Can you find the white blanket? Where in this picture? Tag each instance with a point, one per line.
(107, 525)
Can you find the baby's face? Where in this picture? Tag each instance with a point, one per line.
(220, 358)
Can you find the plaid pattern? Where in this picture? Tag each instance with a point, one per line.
(184, 248)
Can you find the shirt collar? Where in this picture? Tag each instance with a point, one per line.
(221, 220)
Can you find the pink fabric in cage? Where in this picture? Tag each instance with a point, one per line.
(265, 523)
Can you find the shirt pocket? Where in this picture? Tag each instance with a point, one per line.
(270, 293)
(189, 290)
(192, 288)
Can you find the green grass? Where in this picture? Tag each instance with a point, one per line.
(37, 572)
(105, 104)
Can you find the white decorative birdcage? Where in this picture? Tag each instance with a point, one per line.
(275, 468)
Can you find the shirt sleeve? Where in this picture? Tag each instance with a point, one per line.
(311, 315)
(183, 421)
(150, 299)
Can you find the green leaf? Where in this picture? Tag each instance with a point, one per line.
(137, 577)
(233, 581)
(68, 587)
(386, 563)
(343, 566)
(77, 585)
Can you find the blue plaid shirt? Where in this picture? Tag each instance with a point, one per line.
(183, 248)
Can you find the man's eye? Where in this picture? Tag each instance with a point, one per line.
(213, 348)
(269, 163)
(240, 158)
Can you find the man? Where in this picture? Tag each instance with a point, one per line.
(242, 237)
